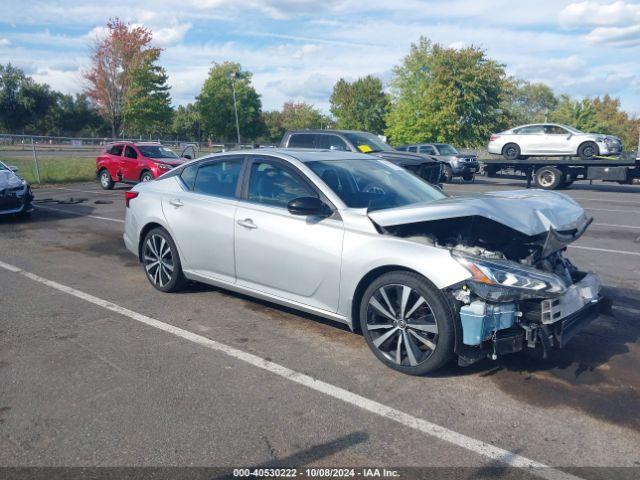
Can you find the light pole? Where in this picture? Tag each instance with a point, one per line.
(234, 77)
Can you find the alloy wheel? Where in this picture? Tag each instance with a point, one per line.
(158, 260)
(547, 178)
(105, 179)
(402, 325)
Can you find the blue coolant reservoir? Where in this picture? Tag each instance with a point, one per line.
(479, 320)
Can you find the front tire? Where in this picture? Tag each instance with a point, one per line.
(104, 177)
(146, 176)
(588, 150)
(407, 323)
(447, 173)
(468, 177)
(511, 151)
(162, 262)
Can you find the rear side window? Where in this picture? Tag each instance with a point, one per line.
(219, 178)
(188, 175)
(532, 130)
(412, 149)
(301, 140)
(116, 150)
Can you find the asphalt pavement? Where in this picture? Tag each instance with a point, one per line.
(99, 369)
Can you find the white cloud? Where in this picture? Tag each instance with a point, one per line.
(170, 35)
(5, 42)
(591, 13)
(615, 36)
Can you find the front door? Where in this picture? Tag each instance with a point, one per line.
(297, 258)
(202, 217)
(130, 165)
(558, 140)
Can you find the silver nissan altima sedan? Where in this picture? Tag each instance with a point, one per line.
(424, 277)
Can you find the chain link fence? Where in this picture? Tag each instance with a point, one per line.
(47, 159)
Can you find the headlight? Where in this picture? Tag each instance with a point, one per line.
(502, 280)
(164, 166)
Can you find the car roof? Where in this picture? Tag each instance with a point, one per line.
(319, 130)
(301, 154)
(131, 142)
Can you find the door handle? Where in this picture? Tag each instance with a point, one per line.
(176, 202)
(247, 223)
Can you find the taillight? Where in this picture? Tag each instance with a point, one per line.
(494, 137)
(128, 196)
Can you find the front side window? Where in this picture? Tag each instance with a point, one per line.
(373, 184)
(446, 149)
(532, 130)
(218, 179)
(428, 149)
(129, 152)
(412, 149)
(273, 185)
(301, 140)
(331, 142)
(555, 130)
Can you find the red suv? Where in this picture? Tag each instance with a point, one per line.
(133, 162)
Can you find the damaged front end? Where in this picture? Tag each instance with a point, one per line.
(522, 293)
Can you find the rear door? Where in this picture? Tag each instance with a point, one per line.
(531, 139)
(202, 216)
(115, 160)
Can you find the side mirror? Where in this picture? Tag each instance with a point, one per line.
(13, 168)
(308, 206)
(187, 156)
(569, 136)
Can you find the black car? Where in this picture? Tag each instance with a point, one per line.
(15, 193)
(425, 166)
(457, 164)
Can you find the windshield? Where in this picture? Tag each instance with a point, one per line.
(373, 184)
(446, 149)
(3, 166)
(156, 151)
(367, 142)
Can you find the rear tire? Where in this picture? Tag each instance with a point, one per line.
(588, 150)
(104, 177)
(161, 261)
(407, 323)
(548, 178)
(511, 151)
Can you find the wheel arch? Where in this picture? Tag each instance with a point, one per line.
(584, 142)
(143, 233)
(143, 171)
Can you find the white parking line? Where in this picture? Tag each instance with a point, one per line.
(623, 252)
(609, 210)
(479, 447)
(614, 225)
(79, 214)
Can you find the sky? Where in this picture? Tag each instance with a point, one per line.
(297, 49)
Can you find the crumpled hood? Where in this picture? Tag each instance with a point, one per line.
(9, 180)
(530, 212)
(402, 158)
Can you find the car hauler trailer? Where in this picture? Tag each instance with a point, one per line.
(551, 174)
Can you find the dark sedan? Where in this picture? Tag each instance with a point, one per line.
(15, 193)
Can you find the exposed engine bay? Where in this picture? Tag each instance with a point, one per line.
(523, 292)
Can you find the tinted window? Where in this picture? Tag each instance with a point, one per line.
(219, 179)
(301, 140)
(188, 175)
(367, 142)
(446, 149)
(412, 149)
(273, 185)
(129, 152)
(428, 149)
(331, 142)
(532, 130)
(116, 150)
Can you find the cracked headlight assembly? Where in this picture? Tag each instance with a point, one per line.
(501, 280)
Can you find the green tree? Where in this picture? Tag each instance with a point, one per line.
(301, 115)
(272, 126)
(77, 116)
(528, 102)
(24, 104)
(444, 94)
(215, 103)
(360, 105)
(147, 105)
(186, 123)
(580, 114)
